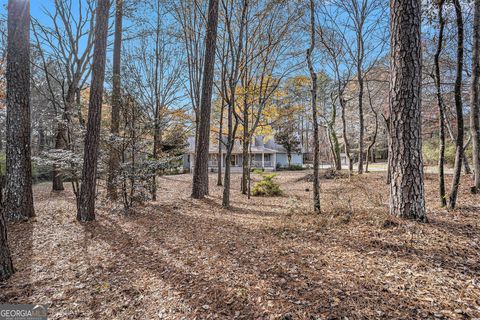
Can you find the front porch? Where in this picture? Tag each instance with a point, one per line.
(264, 161)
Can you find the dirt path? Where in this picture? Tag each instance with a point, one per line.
(267, 258)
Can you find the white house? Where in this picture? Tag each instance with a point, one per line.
(265, 154)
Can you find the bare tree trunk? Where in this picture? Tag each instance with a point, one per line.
(345, 138)
(475, 99)
(313, 75)
(407, 198)
(200, 173)
(459, 154)
(441, 110)
(6, 265)
(228, 156)
(245, 147)
(374, 138)
(157, 116)
(220, 144)
(62, 139)
(86, 200)
(360, 108)
(387, 125)
(19, 197)
(337, 161)
(114, 157)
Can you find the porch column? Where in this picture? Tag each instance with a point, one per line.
(274, 164)
(263, 160)
(221, 160)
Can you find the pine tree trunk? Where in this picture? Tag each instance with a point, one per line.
(114, 157)
(200, 171)
(313, 75)
(438, 84)
(86, 201)
(407, 198)
(475, 98)
(6, 265)
(19, 197)
(459, 154)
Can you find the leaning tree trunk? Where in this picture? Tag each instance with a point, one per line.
(114, 156)
(86, 200)
(407, 195)
(313, 75)
(459, 154)
(441, 110)
(19, 197)
(200, 171)
(6, 265)
(475, 99)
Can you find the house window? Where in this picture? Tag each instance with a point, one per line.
(233, 160)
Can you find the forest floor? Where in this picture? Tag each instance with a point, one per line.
(266, 258)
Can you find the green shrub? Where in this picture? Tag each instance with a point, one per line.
(296, 167)
(267, 187)
(431, 150)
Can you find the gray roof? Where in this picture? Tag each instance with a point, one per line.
(258, 146)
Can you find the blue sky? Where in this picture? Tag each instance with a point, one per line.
(36, 7)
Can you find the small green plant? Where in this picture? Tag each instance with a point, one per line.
(296, 167)
(267, 187)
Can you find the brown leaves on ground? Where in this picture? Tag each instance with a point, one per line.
(266, 258)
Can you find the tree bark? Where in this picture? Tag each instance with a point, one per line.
(360, 106)
(228, 156)
(86, 201)
(19, 197)
(345, 138)
(245, 154)
(407, 198)
(459, 154)
(200, 171)
(62, 136)
(441, 110)
(337, 161)
(475, 99)
(6, 265)
(313, 75)
(114, 157)
(374, 137)
(220, 147)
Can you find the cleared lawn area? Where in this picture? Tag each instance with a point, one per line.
(266, 258)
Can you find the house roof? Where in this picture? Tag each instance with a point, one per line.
(258, 146)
